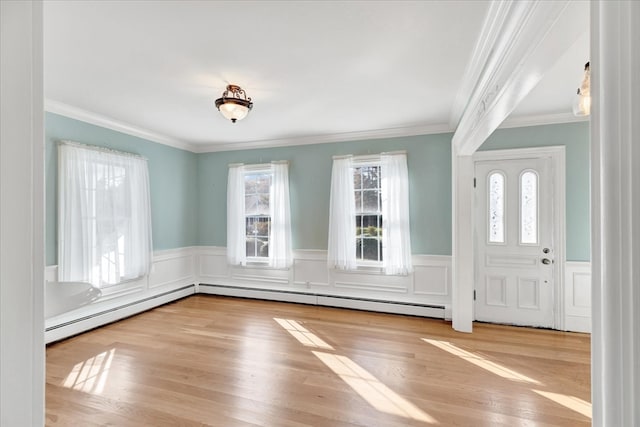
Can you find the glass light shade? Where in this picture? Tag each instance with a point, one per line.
(234, 104)
(233, 111)
(582, 100)
(582, 104)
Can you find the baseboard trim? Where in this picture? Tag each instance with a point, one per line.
(329, 300)
(101, 318)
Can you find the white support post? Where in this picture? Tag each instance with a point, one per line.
(22, 215)
(462, 274)
(615, 156)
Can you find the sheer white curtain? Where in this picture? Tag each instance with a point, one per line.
(280, 212)
(236, 240)
(342, 216)
(104, 215)
(396, 233)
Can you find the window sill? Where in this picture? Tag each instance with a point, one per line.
(364, 269)
(259, 265)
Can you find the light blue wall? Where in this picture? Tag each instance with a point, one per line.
(575, 137)
(172, 175)
(188, 191)
(429, 164)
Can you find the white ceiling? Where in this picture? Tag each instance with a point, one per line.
(313, 69)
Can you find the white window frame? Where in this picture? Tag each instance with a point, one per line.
(257, 170)
(280, 256)
(396, 234)
(360, 162)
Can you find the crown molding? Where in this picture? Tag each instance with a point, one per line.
(109, 123)
(86, 116)
(327, 139)
(541, 119)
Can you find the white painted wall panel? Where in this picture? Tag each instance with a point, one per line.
(578, 296)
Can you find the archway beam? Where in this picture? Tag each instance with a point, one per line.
(525, 39)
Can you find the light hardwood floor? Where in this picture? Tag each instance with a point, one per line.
(220, 361)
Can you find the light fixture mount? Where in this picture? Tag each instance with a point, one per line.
(234, 103)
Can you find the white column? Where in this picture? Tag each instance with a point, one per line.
(615, 158)
(21, 215)
(462, 217)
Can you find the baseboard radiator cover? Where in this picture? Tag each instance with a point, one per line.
(103, 317)
(328, 300)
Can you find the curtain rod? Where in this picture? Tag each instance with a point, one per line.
(259, 165)
(101, 149)
(364, 156)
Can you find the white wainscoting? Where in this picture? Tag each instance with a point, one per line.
(172, 277)
(577, 296)
(181, 272)
(426, 292)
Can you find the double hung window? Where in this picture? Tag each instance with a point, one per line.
(258, 218)
(368, 200)
(104, 215)
(369, 214)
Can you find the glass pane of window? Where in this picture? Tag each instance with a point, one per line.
(369, 213)
(371, 200)
(263, 204)
(529, 208)
(371, 249)
(357, 179)
(257, 192)
(496, 208)
(257, 236)
(371, 177)
(358, 195)
(251, 204)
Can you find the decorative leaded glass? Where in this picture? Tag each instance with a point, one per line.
(496, 208)
(529, 208)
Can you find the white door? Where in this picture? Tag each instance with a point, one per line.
(514, 242)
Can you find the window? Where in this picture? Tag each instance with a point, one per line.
(257, 189)
(258, 215)
(368, 199)
(104, 217)
(369, 214)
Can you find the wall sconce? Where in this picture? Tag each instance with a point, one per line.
(582, 100)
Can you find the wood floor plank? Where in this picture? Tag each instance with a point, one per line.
(219, 361)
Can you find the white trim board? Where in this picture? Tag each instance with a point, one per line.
(431, 311)
(192, 270)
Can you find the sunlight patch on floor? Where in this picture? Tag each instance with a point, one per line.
(303, 336)
(571, 402)
(482, 362)
(371, 389)
(91, 375)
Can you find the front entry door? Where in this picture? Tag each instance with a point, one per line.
(514, 242)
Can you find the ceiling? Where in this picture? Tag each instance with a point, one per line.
(313, 69)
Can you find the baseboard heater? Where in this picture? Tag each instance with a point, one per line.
(331, 300)
(118, 308)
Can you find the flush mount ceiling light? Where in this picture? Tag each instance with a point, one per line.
(582, 100)
(234, 104)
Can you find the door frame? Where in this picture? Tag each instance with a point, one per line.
(558, 175)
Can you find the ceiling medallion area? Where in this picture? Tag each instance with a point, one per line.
(234, 104)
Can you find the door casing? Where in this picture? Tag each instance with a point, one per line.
(558, 171)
